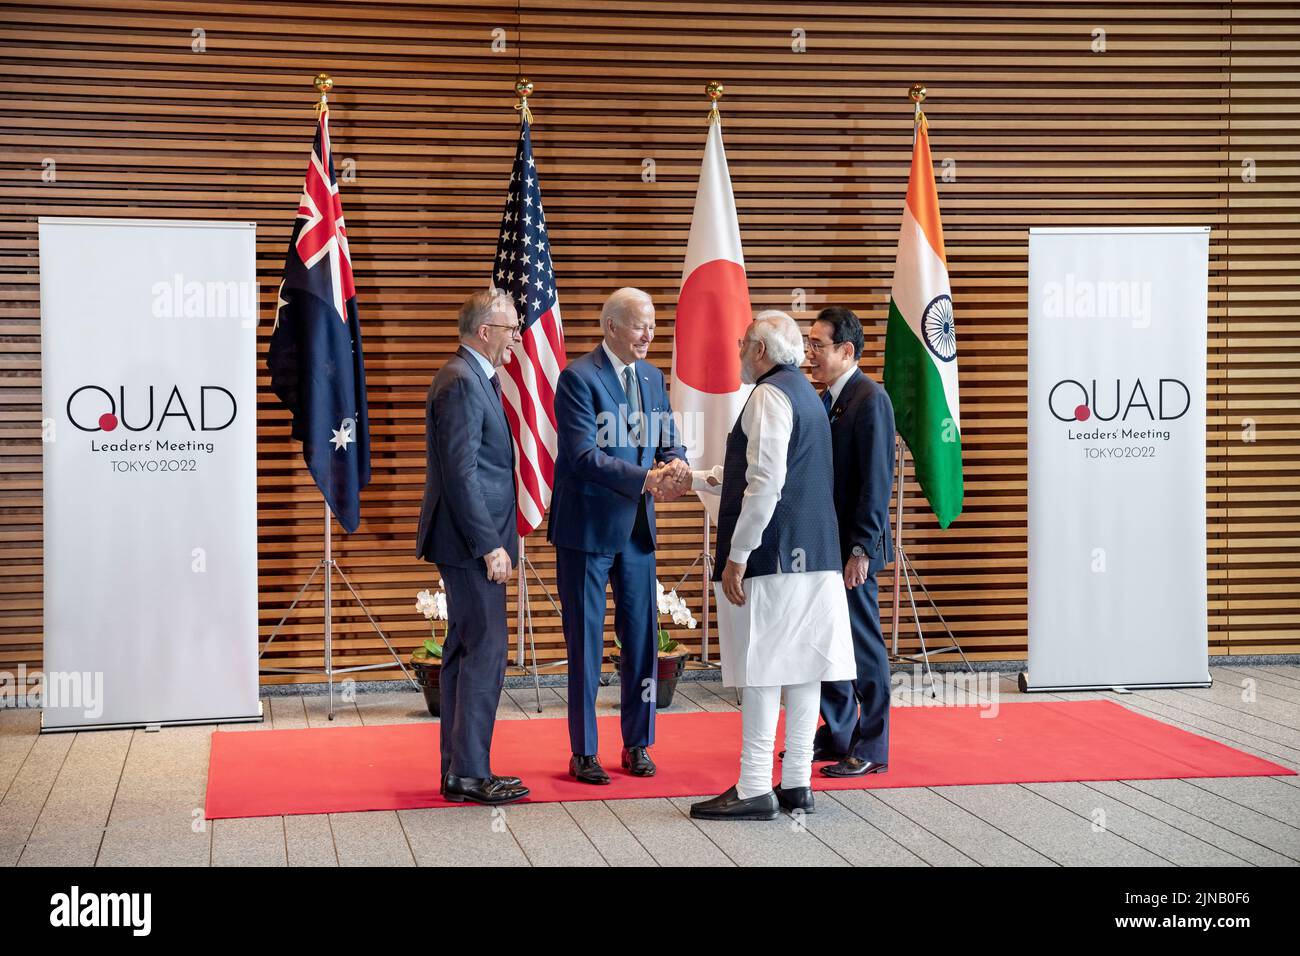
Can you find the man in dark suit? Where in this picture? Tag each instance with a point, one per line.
(617, 452)
(467, 527)
(856, 713)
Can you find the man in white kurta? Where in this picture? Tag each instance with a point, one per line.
(784, 622)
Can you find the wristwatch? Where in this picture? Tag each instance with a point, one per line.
(859, 551)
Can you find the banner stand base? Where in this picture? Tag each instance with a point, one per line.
(1022, 681)
(138, 724)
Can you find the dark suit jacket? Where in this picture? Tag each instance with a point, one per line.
(599, 471)
(469, 487)
(862, 443)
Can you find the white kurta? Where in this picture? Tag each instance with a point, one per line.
(793, 628)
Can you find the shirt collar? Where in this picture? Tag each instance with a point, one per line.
(484, 364)
(838, 385)
(615, 362)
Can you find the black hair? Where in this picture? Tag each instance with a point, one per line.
(845, 327)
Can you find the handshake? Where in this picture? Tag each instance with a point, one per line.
(669, 480)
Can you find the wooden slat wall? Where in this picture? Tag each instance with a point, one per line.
(1038, 128)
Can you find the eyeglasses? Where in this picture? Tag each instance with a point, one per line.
(743, 344)
(815, 345)
(516, 329)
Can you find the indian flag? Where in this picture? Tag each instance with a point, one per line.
(921, 343)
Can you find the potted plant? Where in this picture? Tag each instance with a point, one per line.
(426, 660)
(672, 656)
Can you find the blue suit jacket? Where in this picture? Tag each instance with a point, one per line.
(862, 442)
(599, 471)
(469, 490)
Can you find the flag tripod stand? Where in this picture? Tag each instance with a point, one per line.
(706, 559)
(330, 565)
(524, 621)
(904, 572)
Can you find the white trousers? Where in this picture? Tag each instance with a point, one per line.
(760, 708)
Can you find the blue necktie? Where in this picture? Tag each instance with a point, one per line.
(826, 401)
(634, 405)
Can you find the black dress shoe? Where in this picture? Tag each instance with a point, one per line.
(820, 754)
(508, 781)
(854, 767)
(796, 798)
(586, 768)
(728, 806)
(489, 790)
(637, 760)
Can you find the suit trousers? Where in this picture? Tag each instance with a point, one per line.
(581, 577)
(473, 668)
(856, 713)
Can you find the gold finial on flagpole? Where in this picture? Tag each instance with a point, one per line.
(323, 83)
(524, 89)
(714, 89)
(917, 95)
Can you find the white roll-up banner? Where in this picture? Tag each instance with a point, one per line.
(148, 358)
(1117, 537)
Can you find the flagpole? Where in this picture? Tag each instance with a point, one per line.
(714, 90)
(904, 572)
(917, 95)
(324, 83)
(523, 605)
(329, 603)
(523, 88)
(900, 451)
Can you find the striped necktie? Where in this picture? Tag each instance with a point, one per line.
(633, 402)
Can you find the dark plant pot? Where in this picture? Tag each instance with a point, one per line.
(428, 674)
(670, 671)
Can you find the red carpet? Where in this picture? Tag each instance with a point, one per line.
(395, 767)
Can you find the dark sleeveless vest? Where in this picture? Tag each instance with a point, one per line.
(802, 535)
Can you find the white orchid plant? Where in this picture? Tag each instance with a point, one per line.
(673, 605)
(433, 605)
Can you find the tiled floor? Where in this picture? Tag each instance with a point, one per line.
(114, 798)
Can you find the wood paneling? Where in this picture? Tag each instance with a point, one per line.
(1030, 123)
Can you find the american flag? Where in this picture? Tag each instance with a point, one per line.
(314, 355)
(523, 268)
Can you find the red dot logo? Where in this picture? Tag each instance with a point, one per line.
(108, 421)
(1082, 413)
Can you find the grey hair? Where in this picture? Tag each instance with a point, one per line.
(780, 335)
(480, 307)
(621, 303)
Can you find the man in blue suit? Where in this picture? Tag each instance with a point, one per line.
(467, 527)
(617, 452)
(856, 713)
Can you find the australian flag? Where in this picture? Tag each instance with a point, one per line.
(315, 351)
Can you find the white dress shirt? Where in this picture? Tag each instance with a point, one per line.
(837, 386)
(793, 627)
(618, 365)
(483, 362)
